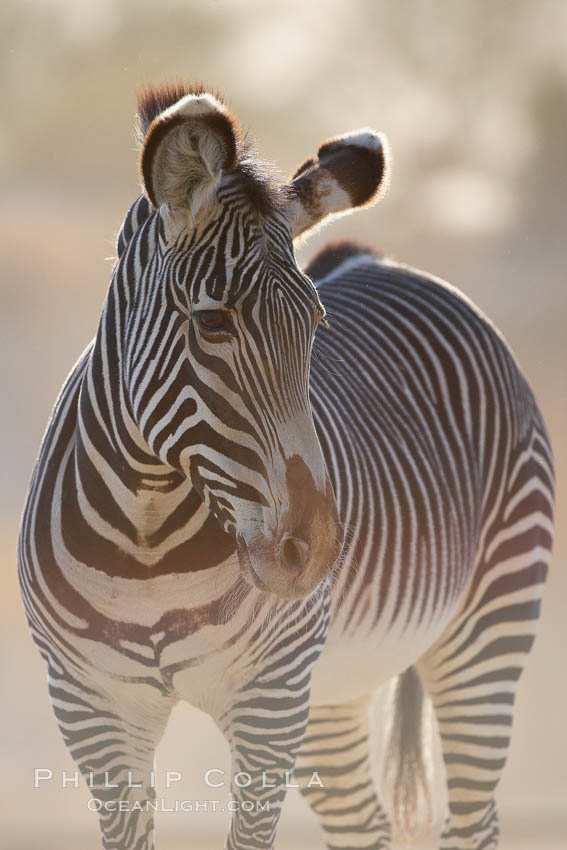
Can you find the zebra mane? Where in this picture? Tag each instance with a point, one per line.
(335, 254)
(255, 176)
(137, 214)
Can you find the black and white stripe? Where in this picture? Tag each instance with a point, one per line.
(444, 478)
(180, 530)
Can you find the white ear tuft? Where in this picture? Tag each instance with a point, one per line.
(194, 106)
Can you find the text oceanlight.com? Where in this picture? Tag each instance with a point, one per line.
(162, 805)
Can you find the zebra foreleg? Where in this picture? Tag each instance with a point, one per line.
(262, 770)
(334, 773)
(264, 726)
(113, 741)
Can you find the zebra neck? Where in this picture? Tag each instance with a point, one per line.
(127, 513)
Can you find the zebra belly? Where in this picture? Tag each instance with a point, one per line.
(356, 661)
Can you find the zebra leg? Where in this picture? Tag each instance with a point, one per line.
(263, 744)
(336, 751)
(471, 676)
(112, 739)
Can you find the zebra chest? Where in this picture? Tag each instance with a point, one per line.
(156, 627)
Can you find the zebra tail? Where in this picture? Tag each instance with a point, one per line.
(406, 775)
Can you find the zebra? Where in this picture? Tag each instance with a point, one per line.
(225, 515)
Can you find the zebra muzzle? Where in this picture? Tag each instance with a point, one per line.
(291, 565)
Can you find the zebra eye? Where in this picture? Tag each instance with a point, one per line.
(213, 321)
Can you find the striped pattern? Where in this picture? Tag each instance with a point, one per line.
(443, 475)
(421, 407)
(128, 559)
(444, 478)
(338, 743)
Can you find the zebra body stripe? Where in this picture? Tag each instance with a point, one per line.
(180, 531)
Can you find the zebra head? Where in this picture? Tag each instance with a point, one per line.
(225, 357)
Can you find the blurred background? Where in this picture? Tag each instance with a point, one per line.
(473, 97)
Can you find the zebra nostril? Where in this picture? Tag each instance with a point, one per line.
(294, 554)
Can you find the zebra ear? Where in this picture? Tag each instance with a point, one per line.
(186, 147)
(348, 172)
